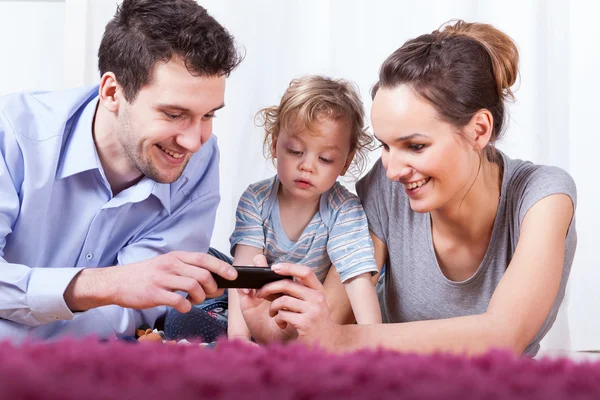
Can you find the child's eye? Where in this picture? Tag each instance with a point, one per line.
(294, 152)
(326, 160)
(416, 147)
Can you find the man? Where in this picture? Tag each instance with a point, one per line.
(122, 176)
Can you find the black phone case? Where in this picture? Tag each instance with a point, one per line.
(249, 278)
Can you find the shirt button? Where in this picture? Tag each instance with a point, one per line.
(56, 317)
(89, 256)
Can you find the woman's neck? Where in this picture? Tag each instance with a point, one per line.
(470, 216)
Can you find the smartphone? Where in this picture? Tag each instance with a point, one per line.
(249, 278)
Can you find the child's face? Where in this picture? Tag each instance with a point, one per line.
(309, 162)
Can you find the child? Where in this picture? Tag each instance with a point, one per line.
(303, 215)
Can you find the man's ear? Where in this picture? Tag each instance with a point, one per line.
(480, 128)
(111, 93)
(348, 162)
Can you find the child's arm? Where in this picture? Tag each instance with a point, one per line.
(363, 299)
(337, 299)
(337, 295)
(236, 326)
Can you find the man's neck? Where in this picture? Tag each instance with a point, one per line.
(116, 165)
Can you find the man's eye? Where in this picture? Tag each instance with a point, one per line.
(173, 116)
(208, 117)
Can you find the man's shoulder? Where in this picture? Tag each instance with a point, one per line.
(201, 174)
(41, 115)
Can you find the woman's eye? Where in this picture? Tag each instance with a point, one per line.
(416, 147)
(326, 160)
(385, 146)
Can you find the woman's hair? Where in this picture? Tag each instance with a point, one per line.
(144, 32)
(310, 99)
(460, 68)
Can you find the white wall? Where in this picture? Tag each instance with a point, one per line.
(553, 120)
(584, 155)
(31, 49)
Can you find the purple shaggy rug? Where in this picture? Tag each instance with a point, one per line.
(89, 370)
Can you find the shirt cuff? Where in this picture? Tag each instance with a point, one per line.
(356, 270)
(45, 293)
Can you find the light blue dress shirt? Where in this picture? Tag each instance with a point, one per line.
(58, 215)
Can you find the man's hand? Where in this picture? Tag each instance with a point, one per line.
(150, 283)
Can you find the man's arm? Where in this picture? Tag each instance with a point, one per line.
(28, 296)
(151, 275)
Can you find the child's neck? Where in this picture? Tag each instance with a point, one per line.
(295, 213)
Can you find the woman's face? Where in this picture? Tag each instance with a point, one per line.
(434, 163)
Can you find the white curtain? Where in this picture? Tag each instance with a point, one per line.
(553, 120)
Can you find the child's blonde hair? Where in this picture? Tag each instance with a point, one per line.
(312, 97)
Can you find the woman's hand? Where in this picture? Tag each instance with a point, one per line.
(255, 310)
(301, 304)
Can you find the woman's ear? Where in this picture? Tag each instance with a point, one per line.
(110, 92)
(480, 128)
(348, 162)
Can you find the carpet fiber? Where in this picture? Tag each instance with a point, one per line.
(90, 370)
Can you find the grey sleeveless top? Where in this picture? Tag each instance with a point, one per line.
(414, 288)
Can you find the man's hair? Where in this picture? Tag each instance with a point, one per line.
(144, 32)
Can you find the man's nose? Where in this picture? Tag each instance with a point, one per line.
(194, 137)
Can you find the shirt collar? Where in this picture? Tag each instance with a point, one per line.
(79, 151)
(162, 191)
(80, 154)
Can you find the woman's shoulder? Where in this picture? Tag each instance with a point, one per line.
(526, 183)
(374, 181)
(525, 177)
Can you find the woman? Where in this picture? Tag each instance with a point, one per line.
(477, 246)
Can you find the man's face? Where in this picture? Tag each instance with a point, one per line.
(168, 121)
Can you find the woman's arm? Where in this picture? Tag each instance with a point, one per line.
(515, 314)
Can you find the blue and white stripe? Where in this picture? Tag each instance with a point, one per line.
(338, 233)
